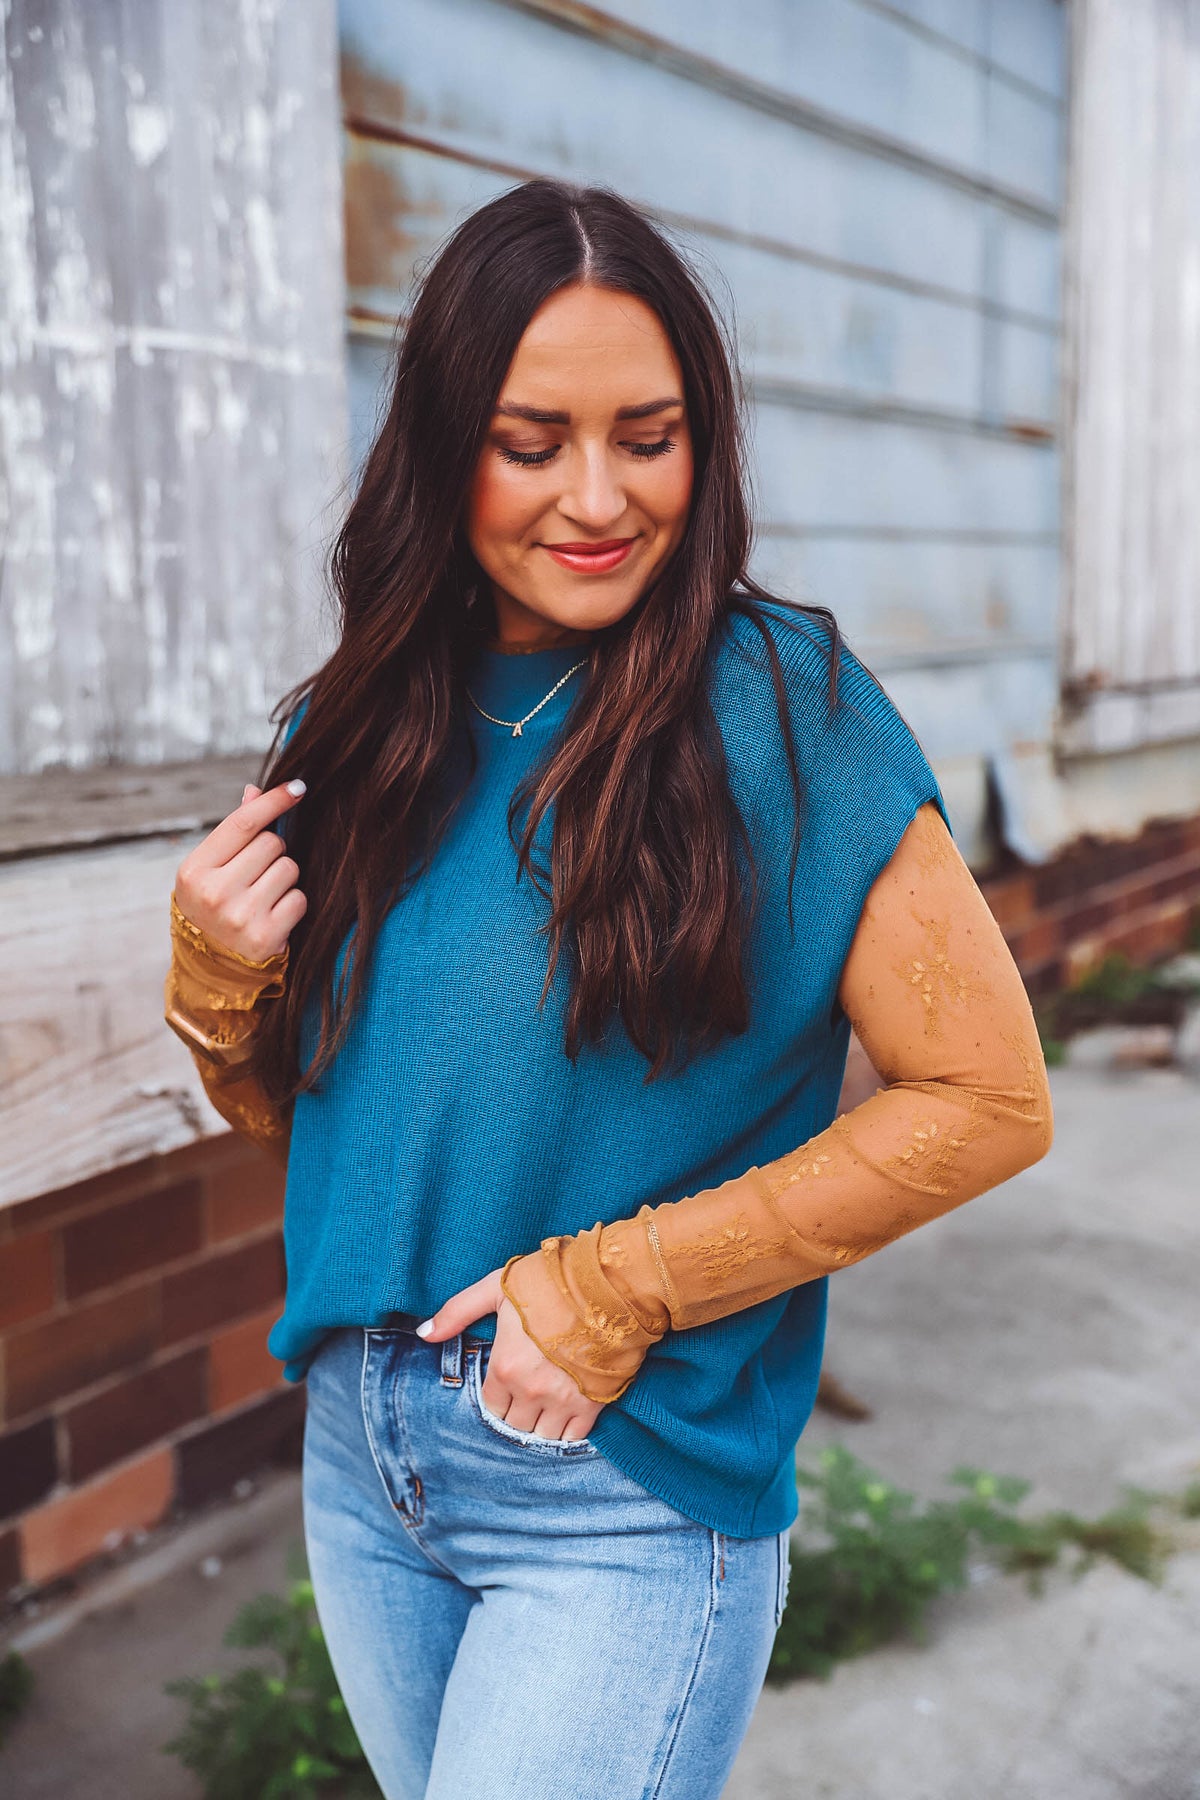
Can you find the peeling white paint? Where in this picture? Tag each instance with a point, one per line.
(153, 595)
(149, 131)
(232, 410)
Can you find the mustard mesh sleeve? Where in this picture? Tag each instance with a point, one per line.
(214, 1000)
(938, 1004)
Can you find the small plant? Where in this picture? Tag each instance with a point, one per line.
(1115, 991)
(273, 1733)
(16, 1685)
(871, 1558)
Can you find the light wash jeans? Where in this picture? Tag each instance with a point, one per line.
(511, 1617)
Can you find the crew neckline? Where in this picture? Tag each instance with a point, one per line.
(500, 649)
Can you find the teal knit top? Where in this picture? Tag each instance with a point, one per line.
(451, 1132)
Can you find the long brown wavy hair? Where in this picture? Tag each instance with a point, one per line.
(646, 900)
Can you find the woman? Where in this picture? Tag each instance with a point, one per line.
(560, 1214)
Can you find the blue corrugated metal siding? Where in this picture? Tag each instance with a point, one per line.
(877, 189)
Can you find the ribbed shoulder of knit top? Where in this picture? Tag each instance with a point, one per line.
(858, 759)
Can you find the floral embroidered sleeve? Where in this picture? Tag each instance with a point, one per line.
(938, 1004)
(214, 1000)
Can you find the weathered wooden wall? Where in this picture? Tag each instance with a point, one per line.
(877, 190)
(173, 433)
(171, 370)
(1132, 616)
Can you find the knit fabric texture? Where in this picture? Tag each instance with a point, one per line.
(452, 1132)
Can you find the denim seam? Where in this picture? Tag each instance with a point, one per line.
(367, 1427)
(705, 1638)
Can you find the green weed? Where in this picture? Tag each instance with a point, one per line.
(868, 1559)
(273, 1733)
(16, 1685)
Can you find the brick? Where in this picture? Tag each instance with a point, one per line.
(135, 1413)
(130, 1239)
(1181, 881)
(28, 1281)
(60, 1355)
(28, 1466)
(243, 1197)
(240, 1365)
(116, 1185)
(1010, 901)
(222, 1288)
(10, 1561)
(1037, 943)
(65, 1533)
(210, 1461)
(1092, 918)
(1041, 982)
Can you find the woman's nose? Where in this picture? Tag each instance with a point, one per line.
(593, 496)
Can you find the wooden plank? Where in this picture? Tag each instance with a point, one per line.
(976, 708)
(840, 63)
(494, 86)
(171, 345)
(910, 594)
(1133, 469)
(797, 322)
(852, 473)
(64, 807)
(93, 1078)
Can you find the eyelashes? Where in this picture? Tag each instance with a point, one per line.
(537, 459)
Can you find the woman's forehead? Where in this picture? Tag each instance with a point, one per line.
(597, 344)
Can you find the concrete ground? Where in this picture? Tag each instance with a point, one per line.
(1047, 1330)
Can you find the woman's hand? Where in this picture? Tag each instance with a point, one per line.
(522, 1387)
(239, 884)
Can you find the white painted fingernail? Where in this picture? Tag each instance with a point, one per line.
(424, 1329)
(297, 786)
(245, 791)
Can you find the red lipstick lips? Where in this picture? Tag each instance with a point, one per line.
(591, 559)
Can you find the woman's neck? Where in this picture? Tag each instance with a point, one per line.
(516, 632)
(526, 647)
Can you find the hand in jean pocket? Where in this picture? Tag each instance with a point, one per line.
(522, 1387)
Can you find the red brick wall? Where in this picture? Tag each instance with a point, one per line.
(134, 1376)
(1138, 895)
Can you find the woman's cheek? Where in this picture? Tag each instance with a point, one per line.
(499, 512)
(673, 495)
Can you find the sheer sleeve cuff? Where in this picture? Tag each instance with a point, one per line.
(212, 992)
(590, 1303)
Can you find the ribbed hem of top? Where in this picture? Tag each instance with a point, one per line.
(632, 1449)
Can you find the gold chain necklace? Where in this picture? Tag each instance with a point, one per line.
(517, 724)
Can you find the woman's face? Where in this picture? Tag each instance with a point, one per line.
(583, 488)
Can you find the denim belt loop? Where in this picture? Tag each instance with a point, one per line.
(452, 1349)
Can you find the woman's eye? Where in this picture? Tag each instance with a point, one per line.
(527, 459)
(657, 449)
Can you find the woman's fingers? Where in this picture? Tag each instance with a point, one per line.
(276, 880)
(244, 823)
(245, 868)
(220, 887)
(527, 1390)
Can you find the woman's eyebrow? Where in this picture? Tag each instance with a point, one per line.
(541, 415)
(648, 408)
(536, 415)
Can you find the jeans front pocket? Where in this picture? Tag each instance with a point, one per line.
(784, 1575)
(510, 1433)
